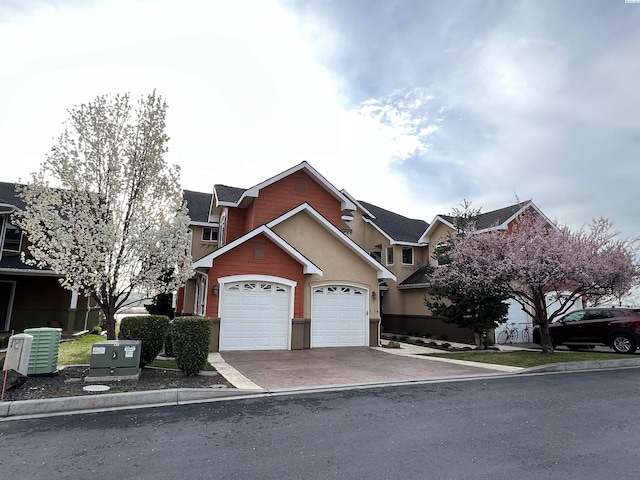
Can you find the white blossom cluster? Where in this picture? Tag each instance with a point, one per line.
(105, 211)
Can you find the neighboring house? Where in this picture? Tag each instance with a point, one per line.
(275, 269)
(502, 219)
(29, 296)
(406, 246)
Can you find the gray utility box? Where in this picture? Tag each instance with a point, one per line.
(114, 360)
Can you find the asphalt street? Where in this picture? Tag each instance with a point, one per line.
(566, 425)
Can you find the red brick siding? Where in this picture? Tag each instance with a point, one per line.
(240, 261)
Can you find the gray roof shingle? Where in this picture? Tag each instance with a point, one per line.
(8, 195)
(399, 228)
(419, 278)
(228, 194)
(198, 205)
(493, 218)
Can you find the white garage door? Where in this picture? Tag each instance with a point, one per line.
(339, 317)
(255, 316)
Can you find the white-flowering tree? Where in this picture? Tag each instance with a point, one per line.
(105, 211)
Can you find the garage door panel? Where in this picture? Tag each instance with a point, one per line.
(339, 317)
(255, 316)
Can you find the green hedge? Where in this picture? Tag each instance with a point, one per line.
(190, 339)
(150, 330)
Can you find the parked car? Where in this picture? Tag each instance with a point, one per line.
(618, 328)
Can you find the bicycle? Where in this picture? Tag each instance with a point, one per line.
(526, 334)
(510, 334)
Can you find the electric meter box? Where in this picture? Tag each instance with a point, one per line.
(18, 352)
(115, 359)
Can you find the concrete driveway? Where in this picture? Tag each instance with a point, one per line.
(341, 366)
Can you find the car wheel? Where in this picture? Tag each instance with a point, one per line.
(623, 343)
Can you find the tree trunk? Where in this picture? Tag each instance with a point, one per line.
(545, 338)
(110, 321)
(478, 339)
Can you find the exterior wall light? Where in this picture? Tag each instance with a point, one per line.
(215, 289)
(374, 295)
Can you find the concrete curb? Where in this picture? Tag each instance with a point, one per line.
(113, 401)
(578, 366)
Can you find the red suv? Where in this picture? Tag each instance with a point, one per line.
(618, 328)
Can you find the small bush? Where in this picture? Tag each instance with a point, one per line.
(97, 330)
(444, 338)
(150, 330)
(393, 344)
(190, 340)
(487, 342)
(403, 338)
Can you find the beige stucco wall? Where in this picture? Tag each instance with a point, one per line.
(199, 248)
(440, 233)
(365, 234)
(339, 263)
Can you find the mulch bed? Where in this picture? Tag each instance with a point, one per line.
(69, 381)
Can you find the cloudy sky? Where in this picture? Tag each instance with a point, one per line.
(412, 105)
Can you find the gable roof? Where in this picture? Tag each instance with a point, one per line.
(226, 195)
(238, 197)
(397, 228)
(198, 205)
(494, 220)
(309, 266)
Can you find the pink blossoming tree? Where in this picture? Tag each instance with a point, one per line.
(534, 258)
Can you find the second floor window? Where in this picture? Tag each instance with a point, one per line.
(12, 236)
(209, 234)
(389, 255)
(407, 256)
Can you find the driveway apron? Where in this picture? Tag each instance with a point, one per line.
(338, 366)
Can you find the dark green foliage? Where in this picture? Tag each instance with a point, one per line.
(150, 330)
(481, 310)
(97, 330)
(168, 344)
(190, 338)
(162, 305)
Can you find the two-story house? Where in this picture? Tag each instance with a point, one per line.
(281, 273)
(29, 296)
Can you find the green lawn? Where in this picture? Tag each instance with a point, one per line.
(527, 359)
(78, 352)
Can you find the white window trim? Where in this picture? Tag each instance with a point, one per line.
(386, 256)
(413, 260)
(209, 240)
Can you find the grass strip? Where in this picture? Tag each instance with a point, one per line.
(525, 359)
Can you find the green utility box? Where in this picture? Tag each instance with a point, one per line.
(43, 359)
(114, 360)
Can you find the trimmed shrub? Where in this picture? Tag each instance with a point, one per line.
(168, 344)
(150, 330)
(190, 340)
